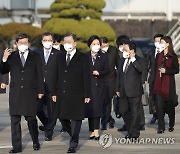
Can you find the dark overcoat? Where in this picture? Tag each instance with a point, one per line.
(98, 85)
(26, 82)
(74, 85)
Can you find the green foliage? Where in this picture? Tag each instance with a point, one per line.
(81, 17)
(9, 31)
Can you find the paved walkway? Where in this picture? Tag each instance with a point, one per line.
(60, 141)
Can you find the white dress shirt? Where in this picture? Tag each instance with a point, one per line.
(132, 60)
(25, 54)
(72, 53)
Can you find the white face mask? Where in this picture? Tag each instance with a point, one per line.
(125, 54)
(95, 48)
(156, 44)
(56, 47)
(68, 47)
(105, 49)
(22, 48)
(161, 47)
(47, 44)
(121, 48)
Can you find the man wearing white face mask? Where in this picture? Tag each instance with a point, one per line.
(45, 105)
(113, 57)
(26, 86)
(151, 65)
(73, 89)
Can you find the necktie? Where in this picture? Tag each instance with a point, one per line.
(68, 59)
(127, 65)
(46, 56)
(93, 59)
(22, 59)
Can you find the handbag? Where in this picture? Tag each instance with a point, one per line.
(145, 95)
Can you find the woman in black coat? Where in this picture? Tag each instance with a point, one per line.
(164, 85)
(99, 70)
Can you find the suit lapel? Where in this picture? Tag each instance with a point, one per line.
(29, 57)
(17, 57)
(50, 56)
(74, 59)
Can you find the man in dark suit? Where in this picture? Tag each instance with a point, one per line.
(113, 58)
(49, 60)
(129, 89)
(73, 89)
(4, 79)
(26, 86)
(151, 65)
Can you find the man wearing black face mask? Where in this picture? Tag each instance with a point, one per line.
(129, 89)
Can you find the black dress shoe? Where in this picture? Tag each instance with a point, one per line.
(41, 128)
(15, 151)
(91, 137)
(142, 127)
(153, 120)
(122, 129)
(48, 138)
(171, 129)
(127, 137)
(160, 131)
(97, 138)
(104, 127)
(36, 147)
(71, 150)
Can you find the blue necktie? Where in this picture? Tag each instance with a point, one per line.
(22, 59)
(46, 56)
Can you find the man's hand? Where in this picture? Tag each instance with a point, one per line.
(118, 93)
(40, 96)
(3, 86)
(132, 54)
(96, 73)
(87, 100)
(162, 70)
(7, 53)
(54, 98)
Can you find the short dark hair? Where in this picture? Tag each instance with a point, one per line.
(73, 36)
(132, 45)
(104, 39)
(56, 38)
(158, 35)
(22, 36)
(92, 38)
(47, 34)
(122, 39)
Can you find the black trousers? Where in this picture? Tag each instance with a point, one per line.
(132, 116)
(163, 107)
(93, 123)
(141, 112)
(16, 130)
(73, 128)
(45, 109)
(106, 118)
(151, 95)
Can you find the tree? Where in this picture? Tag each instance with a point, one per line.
(81, 17)
(9, 31)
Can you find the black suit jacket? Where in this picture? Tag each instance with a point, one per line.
(50, 69)
(74, 85)
(113, 58)
(130, 83)
(151, 66)
(26, 83)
